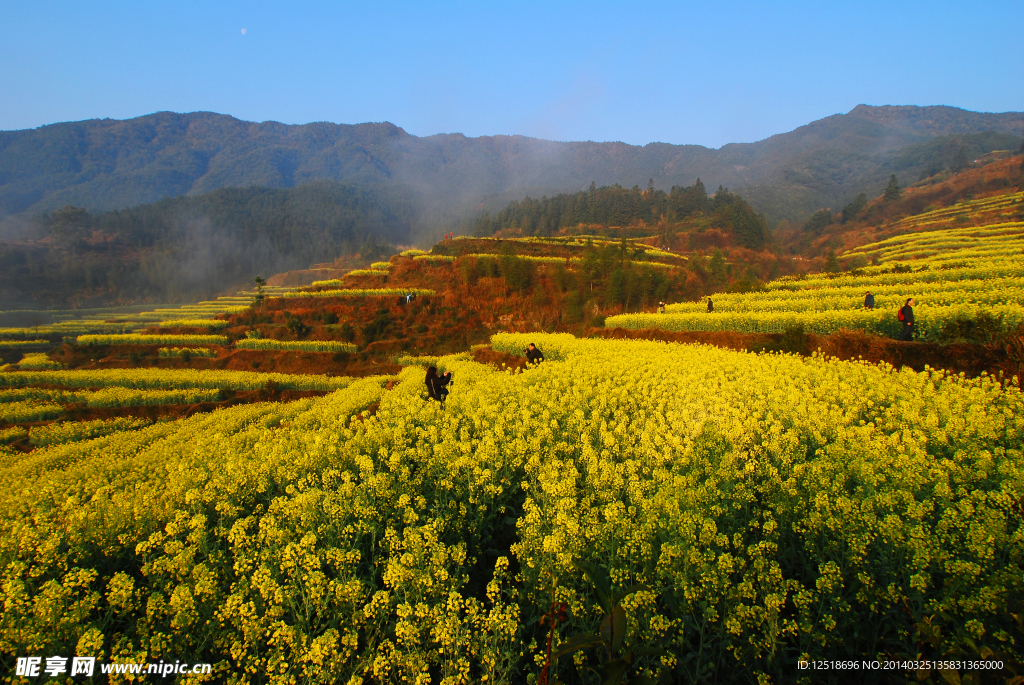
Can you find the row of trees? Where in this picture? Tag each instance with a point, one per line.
(816, 224)
(618, 206)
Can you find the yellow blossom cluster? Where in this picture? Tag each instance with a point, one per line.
(37, 360)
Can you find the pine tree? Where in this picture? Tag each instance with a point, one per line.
(718, 268)
(831, 263)
(893, 191)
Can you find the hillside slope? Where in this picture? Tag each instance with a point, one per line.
(190, 247)
(108, 164)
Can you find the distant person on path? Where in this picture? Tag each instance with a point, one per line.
(906, 317)
(533, 355)
(711, 306)
(869, 301)
(436, 384)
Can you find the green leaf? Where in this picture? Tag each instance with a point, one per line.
(613, 627)
(611, 673)
(601, 581)
(577, 643)
(950, 676)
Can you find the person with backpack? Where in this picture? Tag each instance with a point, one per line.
(436, 384)
(869, 301)
(906, 317)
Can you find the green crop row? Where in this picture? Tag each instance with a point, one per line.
(193, 323)
(75, 431)
(158, 339)
(171, 379)
(189, 351)
(23, 412)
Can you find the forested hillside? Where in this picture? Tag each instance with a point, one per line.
(108, 164)
(619, 207)
(192, 246)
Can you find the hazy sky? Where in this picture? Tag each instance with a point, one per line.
(708, 73)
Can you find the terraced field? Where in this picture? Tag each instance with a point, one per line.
(954, 274)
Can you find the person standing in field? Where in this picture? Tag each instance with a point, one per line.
(711, 306)
(661, 307)
(906, 317)
(869, 301)
(533, 355)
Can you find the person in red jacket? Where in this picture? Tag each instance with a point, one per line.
(907, 318)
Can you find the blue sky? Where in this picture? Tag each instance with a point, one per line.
(708, 73)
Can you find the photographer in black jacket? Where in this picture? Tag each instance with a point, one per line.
(436, 385)
(533, 355)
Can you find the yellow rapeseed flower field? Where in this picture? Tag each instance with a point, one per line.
(297, 345)
(770, 507)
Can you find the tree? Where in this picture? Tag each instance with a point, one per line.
(717, 267)
(650, 187)
(818, 221)
(960, 161)
(68, 224)
(831, 262)
(893, 191)
(259, 297)
(851, 210)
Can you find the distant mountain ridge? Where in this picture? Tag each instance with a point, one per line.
(111, 164)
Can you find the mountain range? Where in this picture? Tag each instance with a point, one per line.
(105, 164)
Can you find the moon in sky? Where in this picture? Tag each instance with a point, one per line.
(243, 32)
